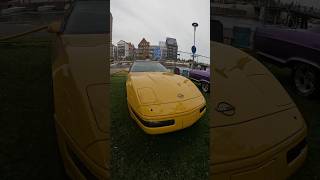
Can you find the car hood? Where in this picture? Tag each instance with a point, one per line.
(255, 112)
(244, 85)
(162, 88)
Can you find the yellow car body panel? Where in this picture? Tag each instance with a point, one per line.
(81, 90)
(262, 134)
(162, 96)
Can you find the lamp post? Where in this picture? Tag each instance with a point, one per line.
(195, 25)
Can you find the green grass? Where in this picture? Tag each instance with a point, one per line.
(310, 109)
(28, 148)
(136, 155)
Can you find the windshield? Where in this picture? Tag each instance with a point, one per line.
(88, 17)
(148, 67)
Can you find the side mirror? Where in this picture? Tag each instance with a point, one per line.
(54, 27)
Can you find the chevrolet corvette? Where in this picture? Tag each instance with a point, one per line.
(256, 130)
(160, 101)
(80, 89)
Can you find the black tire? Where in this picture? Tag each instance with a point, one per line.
(205, 87)
(306, 80)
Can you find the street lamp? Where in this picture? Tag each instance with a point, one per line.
(195, 25)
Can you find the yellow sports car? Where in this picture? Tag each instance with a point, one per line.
(256, 130)
(160, 101)
(80, 88)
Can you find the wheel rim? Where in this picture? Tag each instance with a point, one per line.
(304, 80)
(205, 87)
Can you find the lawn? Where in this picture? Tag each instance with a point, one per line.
(136, 155)
(310, 109)
(27, 135)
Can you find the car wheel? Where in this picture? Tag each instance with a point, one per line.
(305, 80)
(205, 87)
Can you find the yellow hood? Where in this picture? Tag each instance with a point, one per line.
(162, 88)
(246, 84)
(263, 114)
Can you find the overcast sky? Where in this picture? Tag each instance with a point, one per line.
(157, 19)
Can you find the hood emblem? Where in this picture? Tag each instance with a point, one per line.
(180, 95)
(226, 109)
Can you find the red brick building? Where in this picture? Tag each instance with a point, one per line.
(143, 49)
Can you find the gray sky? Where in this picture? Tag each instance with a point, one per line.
(157, 19)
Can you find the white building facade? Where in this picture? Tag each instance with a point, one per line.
(123, 49)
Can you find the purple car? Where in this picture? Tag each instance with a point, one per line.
(297, 49)
(201, 77)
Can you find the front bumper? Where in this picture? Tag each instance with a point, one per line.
(279, 162)
(165, 124)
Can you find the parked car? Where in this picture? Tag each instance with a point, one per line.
(80, 89)
(201, 77)
(294, 48)
(183, 71)
(256, 129)
(161, 101)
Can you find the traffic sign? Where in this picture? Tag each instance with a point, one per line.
(157, 53)
(193, 49)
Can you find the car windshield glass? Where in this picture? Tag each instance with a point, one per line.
(148, 67)
(88, 17)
